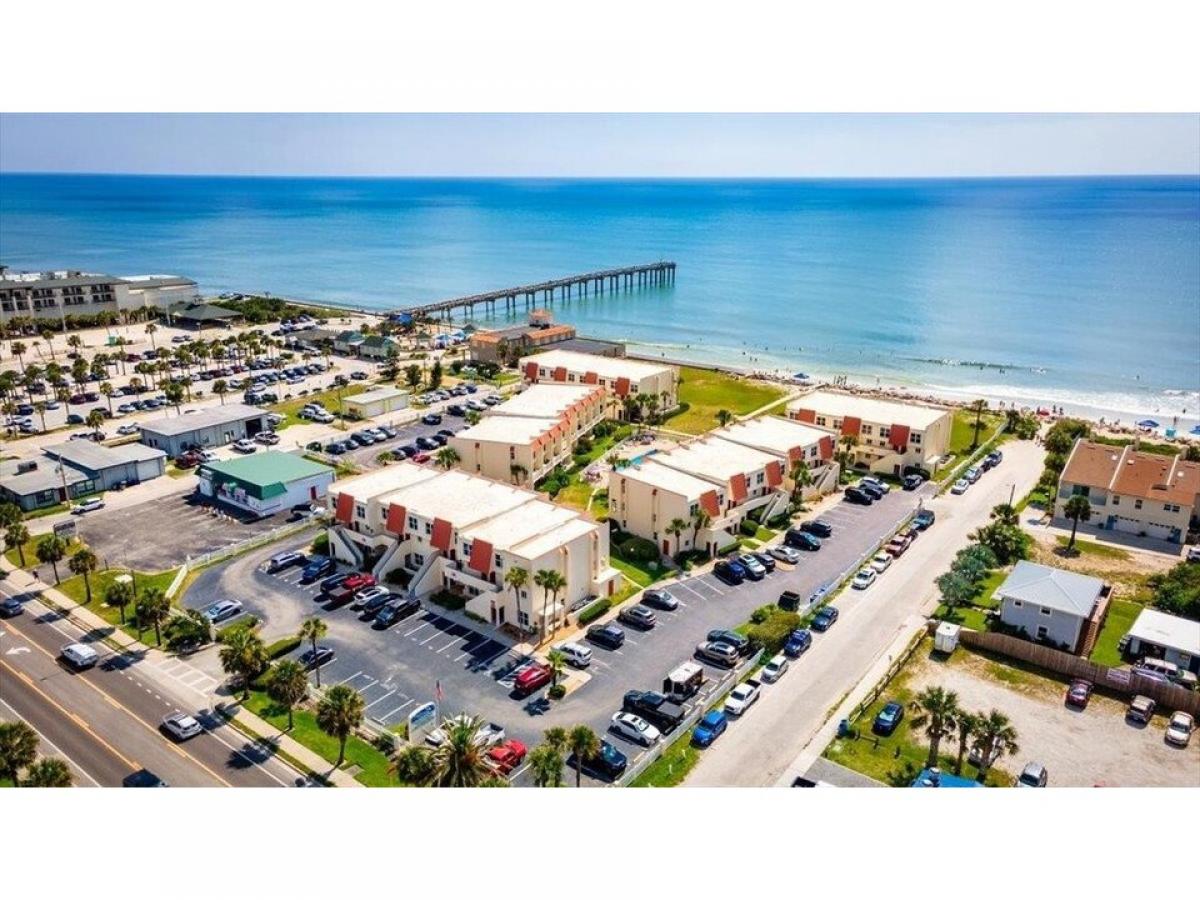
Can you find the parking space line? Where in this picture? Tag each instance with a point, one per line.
(384, 697)
(387, 715)
(415, 630)
(690, 589)
(497, 656)
(453, 641)
(351, 678)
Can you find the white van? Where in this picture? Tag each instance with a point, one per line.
(79, 656)
(684, 682)
(576, 655)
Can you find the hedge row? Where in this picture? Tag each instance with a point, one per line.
(283, 646)
(595, 610)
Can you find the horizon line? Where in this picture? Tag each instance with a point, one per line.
(515, 177)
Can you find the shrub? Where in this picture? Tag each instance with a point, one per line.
(283, 646)
(773, 631)
(1177, 591)
(475, 617)
(249, 624)
(320, 544)
(729, 548)
(593, 611)
(448, 600)
(763, 613)
(748, 527)
(557, 692)
(638, 549)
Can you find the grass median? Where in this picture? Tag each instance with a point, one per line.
(706, 392)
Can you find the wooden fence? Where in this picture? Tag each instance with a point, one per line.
(1122, 681)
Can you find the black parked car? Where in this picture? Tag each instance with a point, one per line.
(912, 482)
(730, 573)
(427, 443)
(859, 496)
(801, 540)
(607, 765)
(869, 489)
(656, 598)
(431, 419)
(331, 584)
(395, 611)
(609, 635)
(766, 560)
(310, 659)
(655, 708)
(408, 451)
(375, 604)
(738, 642)
(638, 616)
(818, 527)
(317, 568)
(456, 409)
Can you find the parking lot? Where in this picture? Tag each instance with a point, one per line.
(160, 534)
(401, 667)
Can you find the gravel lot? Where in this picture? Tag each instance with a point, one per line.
(1078, 749)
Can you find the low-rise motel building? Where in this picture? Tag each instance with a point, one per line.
(522, 439)
(728, 474)
(892, 435)
(432, 530)
(1131, 491)
(620, 377)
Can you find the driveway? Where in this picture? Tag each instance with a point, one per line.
(760, 749)
(1095, 746)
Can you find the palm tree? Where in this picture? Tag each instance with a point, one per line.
(339, 712)
(312, 630)
(94, 420)
(40, 409)
(245, 656)
(221, 388)
(472, 417)
(150, 329)
(937, 711)
(84, 562)
(447, 457)
(677, 527)
(801, 478)
(518, 473)
(153, 608)
(50, 772)
(18, 749)
(724, 417)
(19, 350)
(51, 549)
(848, 442)
(288, 686)
(108, 390)
(1077, 509)
(120, 595)
(459, 761)
(551, 581)
(977, 407)
(556, 661)
(584, 744)
(1005, 513)
(555, 737)
(15, 536)
(967, 724)
(546, 764)
(994, 737)
(174, 394)
(516, 578)
(413, 765)
(700, 519)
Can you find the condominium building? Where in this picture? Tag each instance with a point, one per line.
(891, 435)
(1144, 494)
(790, 441)
(432, 530)
(57, 295)
(620, 377)
(522, 439)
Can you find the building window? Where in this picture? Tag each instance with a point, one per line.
(412, 523)
(915, 437)
(821, 421)
(428, 528)
(523, 618)
(1137, 504)
(1116, 500)
(1016, 604)
(868, 429)
(360, 511)
(884, 432)
(1042, 631)
(1046, 611)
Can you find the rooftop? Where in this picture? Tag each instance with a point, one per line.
(264, 469)
(1167, 631)
(457, 497)
(1133, 473)
(523, 524)
(772, 434)
(667, 479)
(609, 367)
(507, 429)
(204, 418)
(546, 400)
(382, 393)
(376, 484)
(45, 477)
(869, 409)
(1057, 589)
(203, 312)
(715, 459)
(93, 456)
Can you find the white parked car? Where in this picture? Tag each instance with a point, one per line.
(222, 610)
(864, 579)
(634, 728)
(488, 735)
(742, 697)
(244, 446)
(181, 726)
(87, 506)
(973, 474)
(881, 562)
(128, 429)
(1179, 729)
(367, 594)
(784, 553)
(775, 668)
(877, 484)
(576, 655)
(960, 486)
(267, 437)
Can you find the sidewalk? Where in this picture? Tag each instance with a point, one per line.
(91, 623)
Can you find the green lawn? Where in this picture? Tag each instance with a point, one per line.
(372, 762)
(575, 494)
(1091, 548)
(290, 409)
(966, 616)
(74, 588)
(638, 572)
(31, 560)
(963, 431)
(672, 767)
(987, 589)
(707, 391)
(1121, 614)
(577, 491)
(1036, 498)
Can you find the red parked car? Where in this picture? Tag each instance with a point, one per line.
(421, 458)
(507, 756)
(351, 586)
(530, 679)
(1079, 693)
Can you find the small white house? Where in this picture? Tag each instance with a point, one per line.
(265, 483)
(1159, 635)
(378, 402)
(1050, 605)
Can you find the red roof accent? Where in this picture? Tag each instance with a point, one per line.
(774, 473)
(825, 447)
(560, 373)
(622, 387)
(441, 535)
(737, 488)
(345, 508)
(795, 454)
(851, 425)
(531, 371)
(806, 415)
(396, 516)
(481, 556)
(710, 504)
(591, 378)
(899, 438)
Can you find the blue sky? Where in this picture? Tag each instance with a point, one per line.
(683, 145)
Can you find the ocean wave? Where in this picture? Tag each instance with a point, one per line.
(1113, 404)
(975, 364)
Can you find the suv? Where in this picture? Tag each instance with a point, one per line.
(655, 708)
(798, 641)
(1141, 710)
(607, 635)
(738, 642)
(640, 617)
(729, 571)
(281, 561)
(576, 655)
(856, 495)
(818, 527)
(1033, 775)
(801, 540)
(608, 764)
(718, 653)
(924, 519)
(658, 598)
(824, 618)
(79, 656)
(531, 679)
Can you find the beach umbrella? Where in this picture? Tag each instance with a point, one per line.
(1195, 430)
(1147, 423)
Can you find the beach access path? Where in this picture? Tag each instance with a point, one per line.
(790, 726)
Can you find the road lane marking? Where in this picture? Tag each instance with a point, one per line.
(53, 747)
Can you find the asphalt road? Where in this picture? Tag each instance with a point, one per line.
(759, 749)
(106, 719)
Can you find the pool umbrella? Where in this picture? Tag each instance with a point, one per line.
(1147, 423)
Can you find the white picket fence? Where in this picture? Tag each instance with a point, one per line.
(258, 540)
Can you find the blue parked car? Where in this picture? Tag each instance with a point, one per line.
(730, 571)
(887, 720)
(317, 568)
(334, 582)
(825, 617)
(711, 727)
(799, 641)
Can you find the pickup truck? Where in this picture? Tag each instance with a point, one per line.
(742, 697)
(655, 708)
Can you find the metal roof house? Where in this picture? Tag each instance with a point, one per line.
(211, 427)
(1158, 634)
(109, 467)
(266, 483)
(1052, 605)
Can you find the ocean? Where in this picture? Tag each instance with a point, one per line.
(1081, 292)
